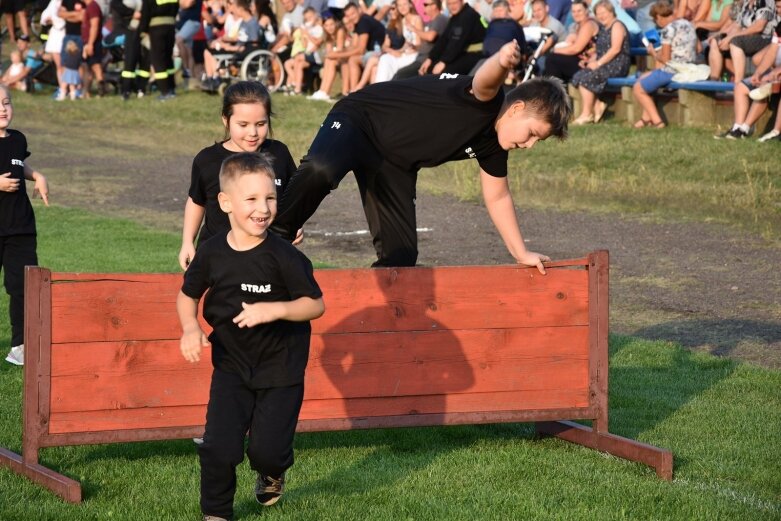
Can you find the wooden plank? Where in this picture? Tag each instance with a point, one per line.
(598, 341)
(127, 375)
(63, 486)
(37, 337)
(314, 409)
(317, 409)
(411, 299)
(136, 307)
(660, 459)
(121, 419)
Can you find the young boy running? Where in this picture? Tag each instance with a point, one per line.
(386, 132)
(261, 296)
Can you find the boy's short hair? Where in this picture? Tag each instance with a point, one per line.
(545, 97)
(543, 2)
(500, 3)
(245, 163)
(662, 8)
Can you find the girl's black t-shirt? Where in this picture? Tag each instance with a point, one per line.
(267, 355)
(205, 181)
(429, 120)
(16, 212)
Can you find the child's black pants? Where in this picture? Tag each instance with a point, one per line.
(16, 252)
(270, 415)
(387, 191)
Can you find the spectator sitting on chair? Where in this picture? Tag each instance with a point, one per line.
(750, 33)
(247, 37)
(460, 46)
(716, 21)
(757, 88)
(411, 26)
(305, 50)
(501, 30)
(291, 20)
(679, 45)
(370, 37)
(611, 60)
(542, 18)
(568, 56)
(427, 35)
(335, 53)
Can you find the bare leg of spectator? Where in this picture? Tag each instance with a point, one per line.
(24, 24)
(355, 63)
(715, 59)
(740, 103)
(738, 62)
(9, 22)
(650, 113)
(587, 99)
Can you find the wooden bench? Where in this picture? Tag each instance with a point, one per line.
(688, 104)
(396, 348)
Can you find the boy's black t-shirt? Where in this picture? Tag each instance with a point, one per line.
(73, 28)
(376, 31)
(205, 181)
(16, 212)
(267, 355)
(428, 120)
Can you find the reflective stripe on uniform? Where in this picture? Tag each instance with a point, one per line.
(142, 74)
(128, 74)
(161, 75)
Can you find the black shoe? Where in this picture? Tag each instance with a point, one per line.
(268, 490)
(125, 96)
(734, 133)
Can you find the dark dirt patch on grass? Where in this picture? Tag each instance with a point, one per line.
(706, 286)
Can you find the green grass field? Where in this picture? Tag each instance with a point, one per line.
(721, 418)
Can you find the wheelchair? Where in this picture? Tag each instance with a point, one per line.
(256, 65)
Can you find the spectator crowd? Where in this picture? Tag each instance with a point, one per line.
(330, 48)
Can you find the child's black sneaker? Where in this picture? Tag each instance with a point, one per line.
(213, 518)
(268, 490)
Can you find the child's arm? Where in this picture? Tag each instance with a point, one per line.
(491, 75)
(193, 337)
(501, 209)
(299, 310)
(41, 185)
(193, 216)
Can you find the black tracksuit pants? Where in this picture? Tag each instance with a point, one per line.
(387, 191)
(234, 407)
(16, 252)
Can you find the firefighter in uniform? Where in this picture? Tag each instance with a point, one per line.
(158, 19)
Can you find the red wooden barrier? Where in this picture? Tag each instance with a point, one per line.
(396, 347)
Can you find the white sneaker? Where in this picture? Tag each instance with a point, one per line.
(16, 355)
(761, 92)
(773, 134)
(319, 96)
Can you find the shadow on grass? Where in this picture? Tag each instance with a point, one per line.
(650, 382)
(748, 339)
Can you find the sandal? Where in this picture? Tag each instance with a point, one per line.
(642, 123)
(660, 124)
(584, 120)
